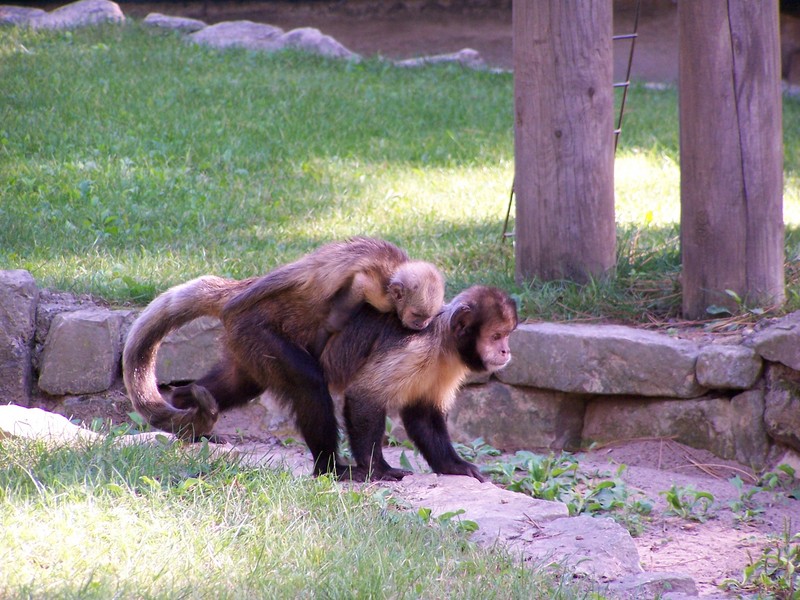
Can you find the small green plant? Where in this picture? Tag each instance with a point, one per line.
(781, 479)
(776, 573)
(689, 503)
(448, 518)
(558, 478)
(392, 439)
(476, 450)
(745, 508)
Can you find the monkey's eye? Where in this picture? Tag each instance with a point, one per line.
(497, 337)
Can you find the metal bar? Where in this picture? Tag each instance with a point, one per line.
(633, 37)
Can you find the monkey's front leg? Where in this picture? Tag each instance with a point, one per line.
(426, 426)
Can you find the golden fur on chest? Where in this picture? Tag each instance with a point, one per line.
(418, 371)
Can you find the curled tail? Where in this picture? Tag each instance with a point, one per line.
(199, 297)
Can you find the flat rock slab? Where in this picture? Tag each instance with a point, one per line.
(602, 359)
(35, 423)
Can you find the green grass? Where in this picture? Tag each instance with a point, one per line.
(131, 161)
(104, 521)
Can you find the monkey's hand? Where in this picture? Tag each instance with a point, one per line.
(463, 468)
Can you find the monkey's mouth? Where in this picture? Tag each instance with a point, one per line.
(497, 364)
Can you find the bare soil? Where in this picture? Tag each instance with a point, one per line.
(709, 551)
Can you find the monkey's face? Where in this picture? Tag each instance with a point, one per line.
(417, 291)
(482, 319)
(492, 345)
(416, 318)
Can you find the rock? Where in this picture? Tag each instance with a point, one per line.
(467, 57)
(751, 444)
(722, 367)
(516, 418)
(314, 41)
(19, 15)
(182, 24)
(731, 429)
(780, 342)
(37, 424)
(593, 547)
(79, 14)
(19, 297)
(790, 458)
(257, 36)
(239, 34)
(782, 405)
(653, 585)
(499, 513)
(602, 359)
(189, 352)
(81, 353)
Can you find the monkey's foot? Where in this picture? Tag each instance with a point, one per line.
(355, 473)
(391, 474)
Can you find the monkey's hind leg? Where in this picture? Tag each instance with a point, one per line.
(224, 386)
(295, 377)
(366, 423)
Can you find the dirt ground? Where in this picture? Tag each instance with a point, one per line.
(709, 551)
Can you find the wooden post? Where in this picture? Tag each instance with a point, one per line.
(731, 154)
(564, 143)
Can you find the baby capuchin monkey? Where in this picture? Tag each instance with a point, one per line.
(344, 275)
(275, 328)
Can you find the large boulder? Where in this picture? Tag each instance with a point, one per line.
(780, 342)
(239, 34)
(183, 24)
(19, 15)
(782, 405)
(723, 367)
(314, 41)
(189, 352)
(730, 428)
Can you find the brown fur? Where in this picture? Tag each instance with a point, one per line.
(175, 307)
(275, 327)
(378, 365)
(332, 282)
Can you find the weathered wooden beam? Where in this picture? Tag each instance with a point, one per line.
(731, 154)
(564, 143)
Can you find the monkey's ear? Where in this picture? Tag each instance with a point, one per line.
(463, 317)
(396, 290)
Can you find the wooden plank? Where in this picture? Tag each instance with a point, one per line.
(564, 173)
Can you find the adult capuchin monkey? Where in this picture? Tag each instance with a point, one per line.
(378, 364)
(275, 326)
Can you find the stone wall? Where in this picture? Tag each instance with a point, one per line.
(567, 386)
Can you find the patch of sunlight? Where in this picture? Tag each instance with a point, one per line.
(647, 188)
